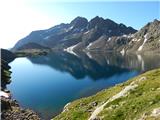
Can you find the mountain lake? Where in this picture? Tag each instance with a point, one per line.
(46, 84)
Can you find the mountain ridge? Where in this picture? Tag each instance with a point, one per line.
(97, 34)
(74, 32)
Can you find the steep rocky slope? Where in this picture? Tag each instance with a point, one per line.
(146, 39)
(136, 99)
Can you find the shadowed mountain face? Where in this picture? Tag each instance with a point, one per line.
(80, 30)
(32, 45)
(7, 55)
(97, 65)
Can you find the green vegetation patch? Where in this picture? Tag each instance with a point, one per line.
(137, 102)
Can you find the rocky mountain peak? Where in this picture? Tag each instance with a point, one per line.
(96, 21)
(122, 25)
(156, 21)
(97, 18)
(152, 28)
(79, 22)
(155, 24)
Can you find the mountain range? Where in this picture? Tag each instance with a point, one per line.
(98, 34)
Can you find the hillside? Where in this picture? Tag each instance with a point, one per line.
(138, 98)
(31, 49)
(32, 46)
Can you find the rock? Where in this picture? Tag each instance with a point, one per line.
(152, 102)
(82, 104)
(90, 110)
(156, 112)
(153, 89)
(142, 78)
(66, 107)
(94, 104)
(96, 118)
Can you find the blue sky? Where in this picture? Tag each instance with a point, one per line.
(20, 17)
(135, 14)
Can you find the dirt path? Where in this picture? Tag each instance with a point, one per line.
(123, 92)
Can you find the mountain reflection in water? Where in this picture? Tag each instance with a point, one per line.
(97, 65)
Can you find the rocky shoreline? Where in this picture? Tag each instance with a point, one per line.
(10, 108)
(12, 111)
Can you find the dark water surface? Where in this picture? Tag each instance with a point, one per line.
(46, 83)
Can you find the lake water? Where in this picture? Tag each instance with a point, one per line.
(46, 84)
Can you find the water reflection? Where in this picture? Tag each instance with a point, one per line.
(97, 65)
(138, 62)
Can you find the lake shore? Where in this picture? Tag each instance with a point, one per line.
(138, 98)
(10, 108)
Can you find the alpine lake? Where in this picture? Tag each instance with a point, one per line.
(47, 83)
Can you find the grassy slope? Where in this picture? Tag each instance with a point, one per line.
(137, 103)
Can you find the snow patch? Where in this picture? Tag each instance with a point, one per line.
(70, 50)
(87, 32)
(124, 35)
(68, 29)
(4, 94)
(109, 39)
(71, 27)
(145, 40)
(47, 37)
(89, 55)
(122, 51)
(130, 36)
(90, 44)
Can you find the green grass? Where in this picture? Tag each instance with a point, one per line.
(141, 100)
